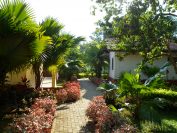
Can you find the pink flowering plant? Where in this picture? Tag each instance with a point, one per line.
(73, 93)
(61, 95)
(69, 93)
(70, 84)
(99, 112)
(39, 118)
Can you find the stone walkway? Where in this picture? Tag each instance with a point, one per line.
(70, 117)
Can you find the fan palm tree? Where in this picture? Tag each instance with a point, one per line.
(61, 43)
(20, 37)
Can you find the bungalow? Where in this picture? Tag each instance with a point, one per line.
(130, 62)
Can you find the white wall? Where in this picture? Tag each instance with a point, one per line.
(31, 77)
(130, 62)
(15, 78)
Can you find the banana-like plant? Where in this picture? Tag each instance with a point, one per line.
(110, 92)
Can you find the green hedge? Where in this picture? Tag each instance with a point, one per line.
(161, 93)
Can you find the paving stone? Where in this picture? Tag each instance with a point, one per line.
(70, 117)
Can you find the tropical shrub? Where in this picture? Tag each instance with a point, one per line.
(47, 104)
(61, 95)
(43, 93)
(110, 92)
(99, 112)
(38, 119)
(125, 128)
(69, 93)
(150, 71)
(70, 84)
(130, 85)
(71, 68)
(73, 94)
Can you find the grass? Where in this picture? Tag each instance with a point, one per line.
(169, 119)
(168, 123)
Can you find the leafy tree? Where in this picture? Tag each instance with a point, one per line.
(147, 27)
(95, 56)
(20, 37)
(73, 63)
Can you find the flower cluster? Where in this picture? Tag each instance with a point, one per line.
(38, 119)
(70, 92)
(99, 112)
(61, 95)
(47, 104)
(71, 84)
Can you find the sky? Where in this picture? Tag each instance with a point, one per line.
(73, 14)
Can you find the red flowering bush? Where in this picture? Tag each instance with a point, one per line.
(99, 112)
(39, 119)
(47, 104)
(73, 93)
(70, 84)
(61, 95)
(69, 93)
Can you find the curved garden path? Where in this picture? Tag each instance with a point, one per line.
(70, 117)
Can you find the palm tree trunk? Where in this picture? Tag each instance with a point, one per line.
(38, 74)
(2, 77)
(53, 79)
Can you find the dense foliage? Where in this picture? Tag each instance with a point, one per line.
(96, 57)
(20, 37)
(140, 26)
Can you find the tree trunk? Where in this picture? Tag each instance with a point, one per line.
(38, 74)
(53, 79)
(3, 77)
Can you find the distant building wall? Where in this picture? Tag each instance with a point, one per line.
(30, 76)
(130, 63)
(15, 78)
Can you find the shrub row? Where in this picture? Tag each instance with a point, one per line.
(38, 119)
(69, 93)
(105, 120)
(161, 93)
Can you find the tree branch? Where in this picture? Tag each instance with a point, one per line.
(169, 14)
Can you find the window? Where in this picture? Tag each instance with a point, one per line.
(112, 64)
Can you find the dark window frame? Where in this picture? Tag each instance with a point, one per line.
(112, 63)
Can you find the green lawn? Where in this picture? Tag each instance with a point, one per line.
(168, 124)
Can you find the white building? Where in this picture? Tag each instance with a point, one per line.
(130, 62)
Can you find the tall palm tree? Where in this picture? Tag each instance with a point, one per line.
(20, 37)
(60, 44)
